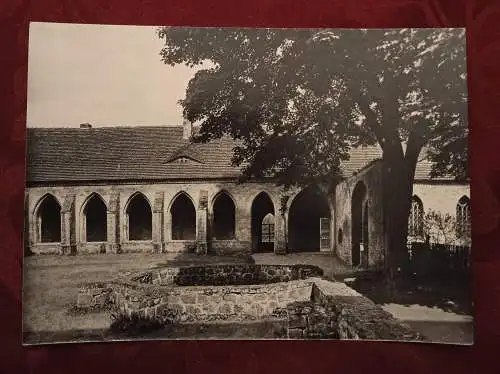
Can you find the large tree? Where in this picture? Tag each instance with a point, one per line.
(298, 100)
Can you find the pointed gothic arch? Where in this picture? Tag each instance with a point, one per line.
(48, 220)
(224, 217)
(139, 218)
(262, 206)
(94, 214)
(416, 218)
(183, 213)
(463, 217)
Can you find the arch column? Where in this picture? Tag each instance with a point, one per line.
(68, 232)
(201, 226)
(157, 234)
(113, 222)
(280, 234)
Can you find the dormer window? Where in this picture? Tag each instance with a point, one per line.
(185, 156)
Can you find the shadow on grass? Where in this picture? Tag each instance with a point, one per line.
(267, 329)
(449, 292)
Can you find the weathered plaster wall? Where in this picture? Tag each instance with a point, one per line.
(372, 179)
(160, 196)
(441, 198)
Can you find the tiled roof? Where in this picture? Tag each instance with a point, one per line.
(135, 153)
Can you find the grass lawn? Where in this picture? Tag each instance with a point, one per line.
(51, 285)
(450, 294)
(441, 309)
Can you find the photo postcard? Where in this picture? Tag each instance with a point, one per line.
(242, 183)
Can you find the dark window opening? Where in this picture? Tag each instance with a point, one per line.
(463, 218)
(416, 218)
(49, 220)
(183, 218)
(140, 218)
(224, 218)
(96, 220)
(268, 229)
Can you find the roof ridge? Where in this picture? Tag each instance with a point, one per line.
(103, 127)
(145, 152)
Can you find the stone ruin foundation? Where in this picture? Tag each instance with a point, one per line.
(294, 299)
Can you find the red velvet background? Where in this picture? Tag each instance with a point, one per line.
(482, 20)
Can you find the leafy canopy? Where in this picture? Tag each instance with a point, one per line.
(298, 100)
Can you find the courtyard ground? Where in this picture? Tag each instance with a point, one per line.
(51, 285)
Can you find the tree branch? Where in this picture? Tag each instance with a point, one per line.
(372, 120)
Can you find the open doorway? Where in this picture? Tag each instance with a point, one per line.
(309, 221)
(359, 207)
(262, 225)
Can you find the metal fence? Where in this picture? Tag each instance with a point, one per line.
(438, 259)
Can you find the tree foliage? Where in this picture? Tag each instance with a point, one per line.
(442, 228)
(298, 100)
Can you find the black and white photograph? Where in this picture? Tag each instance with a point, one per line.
(246, 184)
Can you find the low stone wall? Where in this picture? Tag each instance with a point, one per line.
(310, 320)
(93, 248)
(229, 247)
(137, 247)
(94, 296)
(313, 308)
(230, 274)
(202, 304)
(46, 249)
(357, 317)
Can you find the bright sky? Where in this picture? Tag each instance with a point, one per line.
(103, 75)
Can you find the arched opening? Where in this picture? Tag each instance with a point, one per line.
(262, 206)
(359, 214)
(366, 236)
(309, 221)
(95, 213)
(224, 217)
(463, 218)
(267, 229)
(140, 218)
(416, 218)
(183, 218)
(48, 219)
(340, 236)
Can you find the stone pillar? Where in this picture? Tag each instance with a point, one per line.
(68, 239)
(279, 234)
(201, 227)
(158, 240)
(280, 226)
(113, 244)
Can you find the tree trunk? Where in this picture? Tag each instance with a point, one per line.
(398, 177)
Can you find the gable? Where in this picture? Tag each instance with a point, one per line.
(183, 160)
